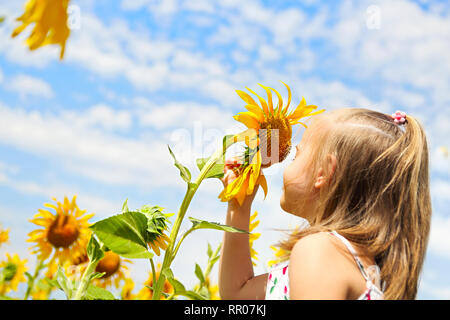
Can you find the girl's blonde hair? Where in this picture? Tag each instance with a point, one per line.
(379, 195)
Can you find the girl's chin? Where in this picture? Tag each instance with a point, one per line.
(284, 205)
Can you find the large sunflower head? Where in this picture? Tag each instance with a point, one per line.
(269, 140)
(65, 234)
(12, 272)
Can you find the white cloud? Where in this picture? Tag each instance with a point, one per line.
(26, 86)
(100, 115)
(94, 152)
(403, 50)
(439, 241)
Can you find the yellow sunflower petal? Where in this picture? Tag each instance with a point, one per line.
(289, 98)
(246, 97)
(269, 97)
(263, 183)
(248, 119)
(280, 101)
(242, 192)
(261, 100)
(259, 115)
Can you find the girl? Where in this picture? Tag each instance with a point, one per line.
(360, 178)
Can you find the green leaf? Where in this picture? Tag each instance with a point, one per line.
(199, 273)
(184, 172)
(124, 234)
(96, 275)
(64, 283)
(204, 293)
(193, 295)
(167, 273)
(125, 206)
(201, 224)
(93, 250)
(209, 251)
(177, 286)
(5, 298)
(96, 293)
(166, 295)
(214, 260)
(216, 171)
(2, 19)
(52, 283)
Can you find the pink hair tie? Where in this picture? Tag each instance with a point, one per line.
(399, 117)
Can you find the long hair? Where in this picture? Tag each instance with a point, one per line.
(379, 194)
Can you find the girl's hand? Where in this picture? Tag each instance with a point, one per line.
(230, 174)
(230, 171)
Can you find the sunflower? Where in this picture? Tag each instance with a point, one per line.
(12, 272)
(111, 264)
(50, 19)
(156, 225)
(272, 128)
(253, 236)
(146, 293)
(65, 234)
(127, 290)
(4, 235)
(115, 270)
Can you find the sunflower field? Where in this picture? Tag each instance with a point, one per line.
(88, 261)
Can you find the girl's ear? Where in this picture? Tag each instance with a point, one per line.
(324, 176)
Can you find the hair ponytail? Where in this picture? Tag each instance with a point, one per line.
(405, 249)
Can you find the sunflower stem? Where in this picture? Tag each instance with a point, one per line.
(153, 270)
(192, 188)
(30, 286)
(183, 236)
(85, 279)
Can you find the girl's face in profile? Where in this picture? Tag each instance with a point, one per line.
(298, 194)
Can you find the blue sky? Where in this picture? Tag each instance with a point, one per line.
(139, 75)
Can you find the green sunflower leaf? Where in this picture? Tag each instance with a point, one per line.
(184, 172)
(201, 224)
(216, 170)
(209, 252)
(96, 293)
(64, 283)
(199, 273)
(193, 295)
(93, 250)
(124, 234)
(177, 286)
(125, 206)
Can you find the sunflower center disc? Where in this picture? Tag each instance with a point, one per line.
(272, 133)
(109, 264)
(63, 232)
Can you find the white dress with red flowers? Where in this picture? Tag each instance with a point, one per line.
(278, 278)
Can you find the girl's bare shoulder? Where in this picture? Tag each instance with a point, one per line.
(317, 269)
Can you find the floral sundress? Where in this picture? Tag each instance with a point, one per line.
(278, 278)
